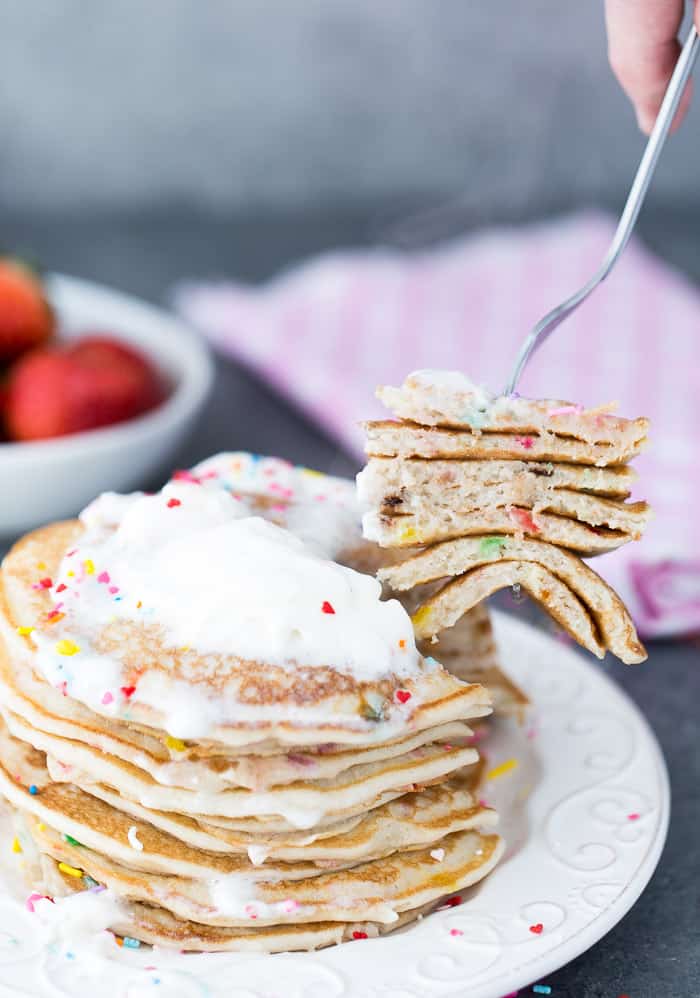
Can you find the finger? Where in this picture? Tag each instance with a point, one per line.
(643, 49)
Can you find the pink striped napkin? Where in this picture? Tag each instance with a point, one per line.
(326, 332)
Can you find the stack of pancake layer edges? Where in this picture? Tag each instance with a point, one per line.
(482, 493)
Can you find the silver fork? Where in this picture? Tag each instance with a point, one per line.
(635, 200)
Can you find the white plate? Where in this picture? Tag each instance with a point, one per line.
(583, 844)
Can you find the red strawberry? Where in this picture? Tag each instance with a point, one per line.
(90, 383)
(26, 319)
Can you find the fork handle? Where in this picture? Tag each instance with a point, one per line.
(630, 213)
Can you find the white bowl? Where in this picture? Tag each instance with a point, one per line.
(52, 479)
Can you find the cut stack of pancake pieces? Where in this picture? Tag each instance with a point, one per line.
(485, 492)
(206, 713)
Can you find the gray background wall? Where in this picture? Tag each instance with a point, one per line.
(233, 104)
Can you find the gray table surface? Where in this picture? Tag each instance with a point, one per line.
(655, 950)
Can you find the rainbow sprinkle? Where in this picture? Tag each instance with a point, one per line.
(16, 847)
(67, 647)
(71, 871)
(491, 547)
(505, 767)
(89, 566)
(175, 744)
(421, 616)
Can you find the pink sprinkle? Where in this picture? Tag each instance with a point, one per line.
(185, 476)
(523, 519)
(512, 994)
(114, 589)
(565, 410)
(107, 698)
(456, 932)
(250, 911)
(478, 736)
(290, 905)
(633, 817)
(69, 554)
(103, 577)
(483, 803)
(532, 732)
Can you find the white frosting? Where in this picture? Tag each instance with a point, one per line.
(320, 509)
(454, 381)
(216, 580)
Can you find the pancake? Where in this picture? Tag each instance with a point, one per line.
(400, 485)
(387, 438)
(157, 926)
(436, 524)
(323, 704)
(569, 590)
(449, 398)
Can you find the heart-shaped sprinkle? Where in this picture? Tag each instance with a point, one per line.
(403, 696)
(537, 929)
(326, 607)
(61, 587)
(172, 503)
(359, 935)
(107, 698)
(103, 577)
(456, 932)
(128, 691)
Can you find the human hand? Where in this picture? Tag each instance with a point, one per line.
(643, 48)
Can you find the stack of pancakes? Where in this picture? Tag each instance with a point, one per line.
(499, 492)
(226, 728)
